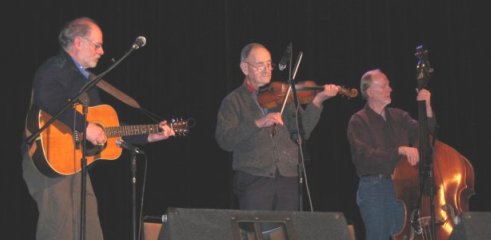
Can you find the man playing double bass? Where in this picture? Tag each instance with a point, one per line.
(379, 137)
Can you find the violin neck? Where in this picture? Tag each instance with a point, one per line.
(313, 88)
(342, 90)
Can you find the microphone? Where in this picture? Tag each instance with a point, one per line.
(139, 42)
(286, 57)
(129, 147)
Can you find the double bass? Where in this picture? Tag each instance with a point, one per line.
(436, 191)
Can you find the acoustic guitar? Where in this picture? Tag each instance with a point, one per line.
(57, 151)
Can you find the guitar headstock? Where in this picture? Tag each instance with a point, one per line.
(181, 126)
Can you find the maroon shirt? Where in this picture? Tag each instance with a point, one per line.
(374, 141)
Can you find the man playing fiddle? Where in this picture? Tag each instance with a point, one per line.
(265, 164)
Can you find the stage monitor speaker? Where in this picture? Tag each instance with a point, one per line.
(221, 224)
(473, 226)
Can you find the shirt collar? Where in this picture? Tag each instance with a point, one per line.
(249, 87)
(81, 69)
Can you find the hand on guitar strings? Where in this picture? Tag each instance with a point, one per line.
(96, 134)
(166, 133)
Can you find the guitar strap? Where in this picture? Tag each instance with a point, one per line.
(118, 94)
(102, 84)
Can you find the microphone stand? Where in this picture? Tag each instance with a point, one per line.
(133, 193)
(83, 161)
(83, 180)
(300, 130)
(134, 151)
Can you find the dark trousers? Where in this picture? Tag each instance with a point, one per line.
(58, 203)
(265, 193)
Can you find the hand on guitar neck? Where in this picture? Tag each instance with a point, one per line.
(166, 132)
(97, 136)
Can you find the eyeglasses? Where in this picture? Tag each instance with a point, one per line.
(96, 45)
(262, 66)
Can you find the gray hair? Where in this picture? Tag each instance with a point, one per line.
(246, 50)
(366, 81)
(77, 27)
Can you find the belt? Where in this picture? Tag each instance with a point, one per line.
(379, 176)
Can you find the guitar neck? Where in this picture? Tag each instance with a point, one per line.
(130, 130)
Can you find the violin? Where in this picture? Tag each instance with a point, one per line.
(273, 95)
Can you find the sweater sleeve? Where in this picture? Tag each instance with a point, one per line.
(231, 127)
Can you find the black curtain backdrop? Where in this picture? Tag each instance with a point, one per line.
(191, 62)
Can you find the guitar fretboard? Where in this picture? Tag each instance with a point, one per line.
(131, 130)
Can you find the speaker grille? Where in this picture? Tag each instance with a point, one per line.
(473, 226)
(220, 224)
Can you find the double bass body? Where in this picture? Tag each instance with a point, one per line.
(454, 185)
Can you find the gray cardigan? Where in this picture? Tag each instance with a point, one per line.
(255, 150)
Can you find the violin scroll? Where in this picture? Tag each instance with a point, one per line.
(351, 93)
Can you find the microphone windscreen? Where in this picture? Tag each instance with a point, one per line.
(141, 41)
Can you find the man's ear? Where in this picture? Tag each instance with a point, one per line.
(244, 68)
(77, 41)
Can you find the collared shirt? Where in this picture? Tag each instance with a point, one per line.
(375, 141)
(81, 69)
(249, 87)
